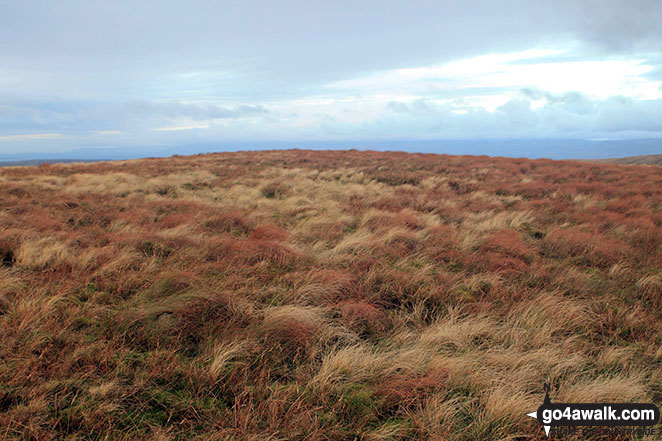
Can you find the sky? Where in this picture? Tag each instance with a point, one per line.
(142, 74)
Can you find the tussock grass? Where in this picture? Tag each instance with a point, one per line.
(323, 295)
(43, 253)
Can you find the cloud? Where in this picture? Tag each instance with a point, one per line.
(30, 136)
(169, 71)
(616, 26)
(82, 116)
(195, 111)
(530, 113)
(573, 101)
(242, 50)
(569, 115)
(178, 128)
(495, 73)
(619, 114)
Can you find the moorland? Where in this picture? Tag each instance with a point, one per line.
(324, 295)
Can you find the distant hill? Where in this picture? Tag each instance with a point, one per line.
(41, 161)
(640, 160)
(529, 148)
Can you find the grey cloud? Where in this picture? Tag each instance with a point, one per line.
(620, 114)
(562, 116)
(280, 48)
(573, 102)
(417, 107)
(19, 116)
(196, 112)
(615, 117)
(618, 25)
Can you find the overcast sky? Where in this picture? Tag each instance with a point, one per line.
(103, 74)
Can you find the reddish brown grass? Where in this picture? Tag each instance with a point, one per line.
(323, 295)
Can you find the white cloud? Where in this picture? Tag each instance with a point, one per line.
(178, 128)
(31, 136)
(509, 72)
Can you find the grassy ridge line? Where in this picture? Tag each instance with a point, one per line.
(634, 160)
(323, 295)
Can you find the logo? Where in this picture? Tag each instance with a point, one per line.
(594, 414)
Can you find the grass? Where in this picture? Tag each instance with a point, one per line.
(323, 295)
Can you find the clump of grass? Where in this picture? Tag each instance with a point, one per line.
(274, 190)
(151, 248)
(43, 253)
(233, 222)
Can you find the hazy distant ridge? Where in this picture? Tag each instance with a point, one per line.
(639, 160)
(528, 148)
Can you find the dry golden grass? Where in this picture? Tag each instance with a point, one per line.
(42, 253)
(323, 295)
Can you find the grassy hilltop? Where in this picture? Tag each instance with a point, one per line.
(323, 295)
(640, 160)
